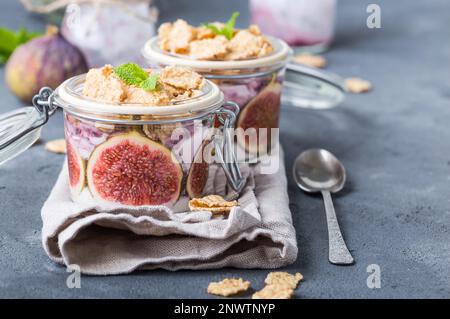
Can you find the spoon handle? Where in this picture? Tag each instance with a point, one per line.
(338, 252)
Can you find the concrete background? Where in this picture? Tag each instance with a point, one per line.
(394, 142)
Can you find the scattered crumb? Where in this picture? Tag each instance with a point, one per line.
(228, 287)
(280, 278)
(274, 292)
(314, 61)
(212, 203)
(279, 285)
(56, 146)
(357, 85)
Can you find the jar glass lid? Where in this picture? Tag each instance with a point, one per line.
(153, 54)
(19, 130)
(69, 97)
(306, 87)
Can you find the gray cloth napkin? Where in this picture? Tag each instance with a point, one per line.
(107, 239)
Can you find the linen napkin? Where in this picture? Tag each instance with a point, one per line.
(107, 239)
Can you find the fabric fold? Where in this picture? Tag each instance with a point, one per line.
(107, 239)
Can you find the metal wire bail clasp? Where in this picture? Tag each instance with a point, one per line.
(224, 146)
(44, 103)
(45, 107)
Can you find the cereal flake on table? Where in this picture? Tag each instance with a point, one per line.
(314, 61)
(274, 292)
(202, 43)
(212, 203)
(228, 287)
(357, 85)
(56, 146)
(280, 278)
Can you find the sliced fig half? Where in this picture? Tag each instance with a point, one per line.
(263, 111)
(133, 170)
(77, 171)
(198, 172)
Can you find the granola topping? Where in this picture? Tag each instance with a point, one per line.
(174, 84)
(202, 43)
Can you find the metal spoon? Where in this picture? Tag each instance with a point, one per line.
(317, 170)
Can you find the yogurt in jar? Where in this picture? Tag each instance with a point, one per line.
(298, 22)
(247, 65)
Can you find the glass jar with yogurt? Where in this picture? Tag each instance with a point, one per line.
(254, 83)
(305, 24)
(132, 153)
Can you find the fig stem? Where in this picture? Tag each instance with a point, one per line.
(52, 30)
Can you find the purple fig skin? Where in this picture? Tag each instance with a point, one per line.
(44, 61)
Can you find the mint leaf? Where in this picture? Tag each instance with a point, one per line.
(227, 30)
(131, 73)
(150, 83)
(229, 26)
(7, 40)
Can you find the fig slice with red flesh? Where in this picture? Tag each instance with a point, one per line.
(198, 172)
(263, 111)
(133, 170)
(77, 174)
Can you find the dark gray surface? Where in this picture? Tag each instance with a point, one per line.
(394, 142)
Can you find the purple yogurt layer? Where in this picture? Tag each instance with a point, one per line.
(84, 136)
(241, 92)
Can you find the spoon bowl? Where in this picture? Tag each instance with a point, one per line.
(316, 170)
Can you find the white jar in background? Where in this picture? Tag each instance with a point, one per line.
(109, 32)
(306, 24)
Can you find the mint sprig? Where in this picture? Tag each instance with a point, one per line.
(227, 30)
(151, 83)
(133, 74)
(10, 40)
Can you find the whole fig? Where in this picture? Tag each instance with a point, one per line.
(43, 61)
